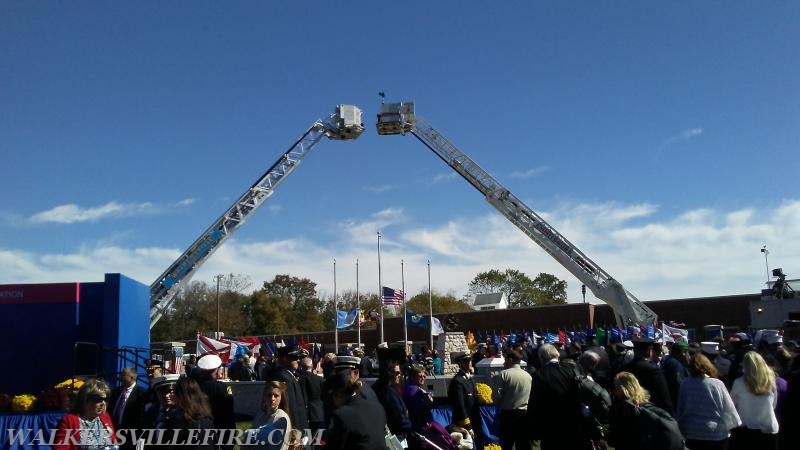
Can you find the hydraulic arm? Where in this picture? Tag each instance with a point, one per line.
(400, 118)
(343, 124)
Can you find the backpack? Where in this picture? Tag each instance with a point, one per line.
(659, 430)
(595, 406)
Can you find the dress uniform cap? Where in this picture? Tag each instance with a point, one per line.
(209, 362)
(289, 352)
(627, 344)
(166, 380)
(352, 362)
(459, 356)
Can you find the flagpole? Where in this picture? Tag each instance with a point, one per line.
(358, 306)
(430, 301)
(405, 318)
(336, 313)
(380, 288)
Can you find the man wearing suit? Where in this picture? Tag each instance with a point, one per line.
(554, 410)
(650, 376)
(463, 395)
(312, 385)
(286, 370)
(124, 404)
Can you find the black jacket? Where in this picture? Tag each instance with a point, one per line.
(651, 378)
(359, 424)
(395, 409)
(463, 396)
(554, 408)
(312, 385)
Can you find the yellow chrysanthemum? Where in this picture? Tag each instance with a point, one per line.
(492, 447)
(23, 403)
(70, 383)
(484, 393)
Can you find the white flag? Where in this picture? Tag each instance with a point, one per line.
(437, 327)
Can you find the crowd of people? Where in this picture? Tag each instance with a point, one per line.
(638, 394)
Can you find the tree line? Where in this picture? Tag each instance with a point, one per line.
(289, 304)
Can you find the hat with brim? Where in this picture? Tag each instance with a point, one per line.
(347, 362)
(209, 362)
(457, 357)
(166, 381)
(289, 352)
(627, 344)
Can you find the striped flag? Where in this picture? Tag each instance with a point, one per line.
(392, 297)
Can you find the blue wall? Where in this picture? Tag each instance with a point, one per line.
(43, 322)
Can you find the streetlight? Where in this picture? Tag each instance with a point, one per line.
(766, 261)
(218, 278)
(583, 291)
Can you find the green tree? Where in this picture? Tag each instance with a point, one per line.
(549, 290)
(305, 309)
(441, 303)
(521, 291)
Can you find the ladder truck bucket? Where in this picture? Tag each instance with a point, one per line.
(347, 122)
(396, 118)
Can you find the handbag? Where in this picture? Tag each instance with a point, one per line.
(392, 442)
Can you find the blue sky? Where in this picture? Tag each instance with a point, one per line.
(659, 137)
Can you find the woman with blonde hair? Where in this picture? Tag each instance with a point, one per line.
(755, 396)
(88, 426)
(632, 418)
(705, 412)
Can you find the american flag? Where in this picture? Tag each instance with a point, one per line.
(393, 297)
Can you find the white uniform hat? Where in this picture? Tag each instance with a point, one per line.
(166, 380)
(209, 362)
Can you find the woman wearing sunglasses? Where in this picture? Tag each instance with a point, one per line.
(88, 426)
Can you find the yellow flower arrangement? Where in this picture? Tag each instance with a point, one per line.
(491, 447)
(70, 383)
(23, 403)
(484, 393)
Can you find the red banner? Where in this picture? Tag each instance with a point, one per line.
(17, 294)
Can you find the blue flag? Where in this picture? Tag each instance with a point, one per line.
(346, 319)
(651, 331)
(416, 320)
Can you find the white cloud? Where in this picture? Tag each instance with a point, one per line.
(380, 189)
(536, 171)
(72, 213)
(684, 135)
(444, 177)
(696, 253)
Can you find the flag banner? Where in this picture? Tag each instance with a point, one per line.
(415, 320)
(224, 348)
(651, 332)
(346, 319)
(550, 338)
(392, 297)
(676, 334)
(438, 328)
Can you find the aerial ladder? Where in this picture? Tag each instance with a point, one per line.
(343, 124)
(400, 118)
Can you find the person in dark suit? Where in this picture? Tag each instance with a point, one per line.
(312, 385)
(650, 375)
(240, 370)
(554, 406)
(356, 423)
(124, 404)
(285, 369)
(220, 396)
(463, 396)
(387, 388)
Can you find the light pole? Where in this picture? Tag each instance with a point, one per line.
(766, 260)
(218, 277)
(583, 291)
